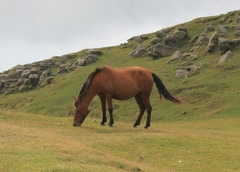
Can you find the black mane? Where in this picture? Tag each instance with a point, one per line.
(88, 81)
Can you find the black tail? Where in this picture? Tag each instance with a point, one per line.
(163, 90)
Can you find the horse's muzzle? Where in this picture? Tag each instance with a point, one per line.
(77, 125)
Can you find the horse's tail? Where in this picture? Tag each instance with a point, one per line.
(163, 90)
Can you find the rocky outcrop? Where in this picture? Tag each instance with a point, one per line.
(220, 35)
(91, 57)
(161, 50)
(212, 44)
(138, 51)
(178, 35)
(25, 77)
(224, 44)
(156, 40)
(163, 43)
(139, 38)
(225, 57)
(176, 56)
(187, 71)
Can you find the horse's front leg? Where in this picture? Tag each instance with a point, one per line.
(110, 109)
(104, 116)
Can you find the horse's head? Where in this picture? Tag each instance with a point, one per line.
(80, 113)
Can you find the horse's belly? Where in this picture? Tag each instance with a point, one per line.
(125, 93)
(122, 97)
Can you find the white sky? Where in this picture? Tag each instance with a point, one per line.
(34, 30)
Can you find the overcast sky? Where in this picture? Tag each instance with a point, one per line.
(34, 30)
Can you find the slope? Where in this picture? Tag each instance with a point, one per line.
(211, 92)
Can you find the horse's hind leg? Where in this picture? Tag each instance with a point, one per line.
(149, 110)
(141, 109)
(104, 116)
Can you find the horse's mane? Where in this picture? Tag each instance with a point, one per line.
(88, 81)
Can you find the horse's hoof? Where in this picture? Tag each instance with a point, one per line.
(102, 124)
(110, 125)
(146, 127)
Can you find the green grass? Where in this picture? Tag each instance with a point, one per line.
(202, 134)
(215, 90)
(30, 142)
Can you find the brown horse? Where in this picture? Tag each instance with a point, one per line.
(121, 84)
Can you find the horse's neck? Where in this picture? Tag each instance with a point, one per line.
(88, 96)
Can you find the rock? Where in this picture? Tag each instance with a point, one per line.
(212, 44)
(138, 51)
(236, 41)
(189, 56)
(18, 67)
(170, 40)
(11, 75)
(188, 71)
(23, 88)
(33, 79)
(66, 57)
(46, 73)
(18, 73)
(203, 39)
(20, 82)
(180, 34)
(225, 45)
(142, 38)
(29, 66)
(80, 62)
(26, 81)
(66, 65)
(90, 59)
(182, 29)
(163, 50)
(238, 20)
(49, 79)
(25, 73)
(10, 82)
(1, 85)
(160, 34)
(94, 52)
(35, 70)
(209, 28)
(61, 71)
(225, 57)
(222, 29)
(152, 54)
(167, 30)
(139, 38)
(237, 32)
(194, 39)
(156, 40)
(237, 27)
(46, 64)
(176, 56)
(3, 77)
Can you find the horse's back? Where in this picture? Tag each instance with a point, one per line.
(124, 83)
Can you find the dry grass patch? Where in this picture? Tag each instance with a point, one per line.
(41, 143)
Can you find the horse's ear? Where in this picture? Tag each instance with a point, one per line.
(74, 98)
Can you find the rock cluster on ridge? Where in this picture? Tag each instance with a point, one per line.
(26, 77)
(220, 35)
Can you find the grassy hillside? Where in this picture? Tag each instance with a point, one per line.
(31, 142)
(202, 134)
(212, 93)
